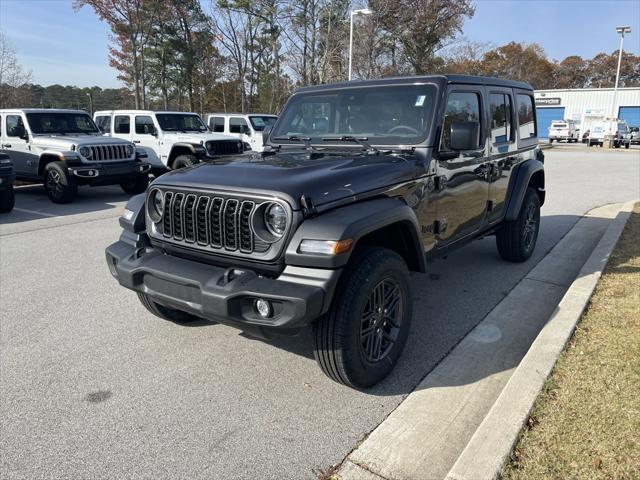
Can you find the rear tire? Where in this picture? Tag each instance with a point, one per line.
(59, 185)
(361, 338)
(516, 240)
(185, 161)
(137, 185)
(7, 199)
(166, 313)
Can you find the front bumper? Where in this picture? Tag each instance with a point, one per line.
(226, 295)
(108, 173)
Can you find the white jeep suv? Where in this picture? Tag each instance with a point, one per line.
(248, 127)
(171, 140)
(64, 149)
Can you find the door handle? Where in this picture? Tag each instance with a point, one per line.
(6, 145)
(136, 141)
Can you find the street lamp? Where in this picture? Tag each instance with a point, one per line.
(621, 31)
(362, 11)
(90, 103)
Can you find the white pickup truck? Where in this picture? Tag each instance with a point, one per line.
(563, 130)
(171, 140)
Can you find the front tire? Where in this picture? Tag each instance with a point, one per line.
(166, 313)
(137, 185)
(185, 161)
(361, 338)
(7, 199)
(59, 185)
(516, 240)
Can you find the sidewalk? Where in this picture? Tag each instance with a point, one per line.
(424, 437)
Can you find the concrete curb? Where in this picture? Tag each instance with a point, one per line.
(486, 452)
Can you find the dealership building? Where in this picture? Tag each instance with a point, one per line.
(575, 104)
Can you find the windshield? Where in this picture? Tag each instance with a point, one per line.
(61, 123)
(180, 122)
(388, 115)
(260, 122)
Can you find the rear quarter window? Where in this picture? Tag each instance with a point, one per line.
(526, 117)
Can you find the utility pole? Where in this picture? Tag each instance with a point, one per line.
(621, 31)
(362, 11)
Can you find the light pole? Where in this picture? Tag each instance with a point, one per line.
(90, 103)
(621, 31)
(362, 11)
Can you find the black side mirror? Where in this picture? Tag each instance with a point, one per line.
(465, 135)
(265, 134)
(23, 134)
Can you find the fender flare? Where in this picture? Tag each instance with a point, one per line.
(196, 149)
(64, 157)
(353, 222)
(525, 172)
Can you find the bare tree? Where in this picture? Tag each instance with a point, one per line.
(12, 74)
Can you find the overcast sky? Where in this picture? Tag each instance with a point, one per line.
(69, 48)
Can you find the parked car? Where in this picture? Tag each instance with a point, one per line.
(563, 130)
(324, 226)
(64, 149)
(615, 131)
(171, 140)
(634, 135)
(7, 198)
(246, 127)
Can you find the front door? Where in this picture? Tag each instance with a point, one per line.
(146, 136)
(461, 187)
(15, 142)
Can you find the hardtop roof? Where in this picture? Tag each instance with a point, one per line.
(440, 79)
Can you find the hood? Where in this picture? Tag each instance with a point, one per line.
(65, 142)
(322, 177)
(195, 137)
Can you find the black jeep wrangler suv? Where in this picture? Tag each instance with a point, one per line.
(360, 184)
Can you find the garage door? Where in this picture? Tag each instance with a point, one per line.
(631, 115)
(545, 116)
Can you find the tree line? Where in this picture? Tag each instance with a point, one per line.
(249, 55)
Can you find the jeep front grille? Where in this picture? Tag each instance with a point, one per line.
(108, 152)
(224, 147)
(211, 222)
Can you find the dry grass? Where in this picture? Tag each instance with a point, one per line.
(586, 422)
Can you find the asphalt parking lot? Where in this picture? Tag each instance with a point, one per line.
(93, 386)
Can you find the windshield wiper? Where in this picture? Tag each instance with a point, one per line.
(296, 138)
(350, 138)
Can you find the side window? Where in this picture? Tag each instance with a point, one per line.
(15, 126)
(526, 117)
(461, 107)
(122, 124)
(501, 120)
(216, 124)
(238, 125)
(144, 125)
(104, 123)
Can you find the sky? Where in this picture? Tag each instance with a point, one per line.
(71, 48)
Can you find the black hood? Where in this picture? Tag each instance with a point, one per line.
(323, 177)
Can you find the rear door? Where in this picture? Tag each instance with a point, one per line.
(15, 142)
(216, 124)
(503, 149)
(462, 189)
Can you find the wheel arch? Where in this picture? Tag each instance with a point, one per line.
(386, 222)
(529, 173)
(45, 159)
(183, 148)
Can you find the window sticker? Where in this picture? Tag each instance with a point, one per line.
(420, 100)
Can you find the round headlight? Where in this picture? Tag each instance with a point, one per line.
(130, 150)
(85, 152)
(275, 219)
(156, 205)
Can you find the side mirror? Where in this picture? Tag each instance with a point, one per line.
(245, 129)
(465, 135)
(154, 131)
(265, 134)
(23, 134)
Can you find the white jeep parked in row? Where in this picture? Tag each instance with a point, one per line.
(171, 140)
(248, 127)
(64, 149)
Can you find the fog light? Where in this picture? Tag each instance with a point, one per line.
(263, 307)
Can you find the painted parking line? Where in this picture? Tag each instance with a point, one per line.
(34, 212)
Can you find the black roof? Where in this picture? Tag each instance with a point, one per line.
(448, 78)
